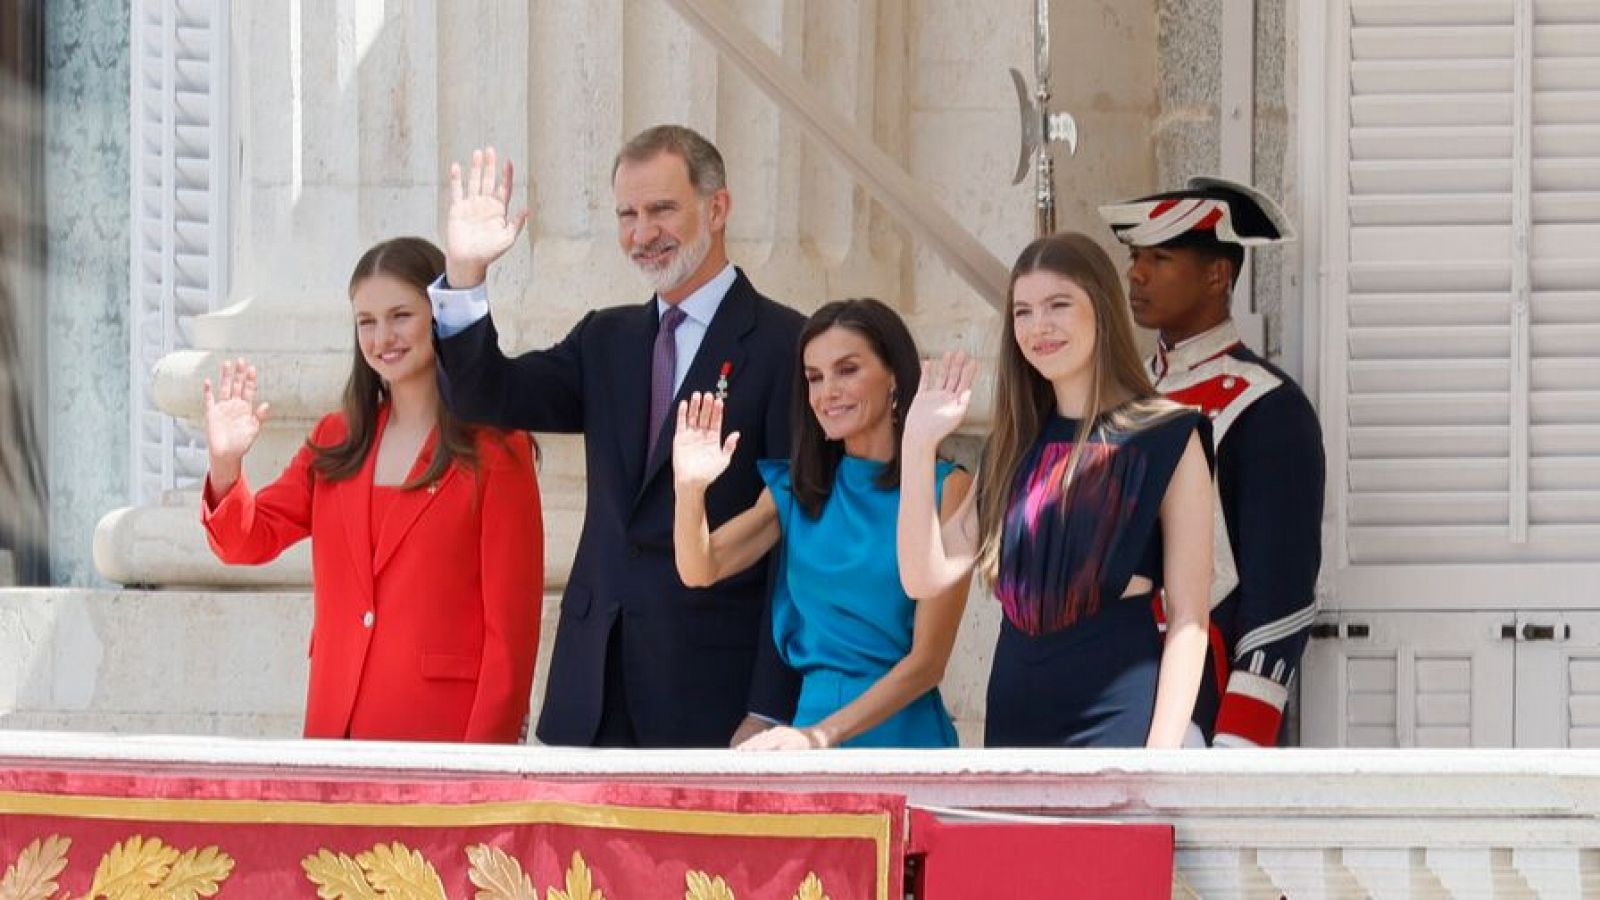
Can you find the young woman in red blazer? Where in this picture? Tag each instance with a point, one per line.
(426, 535)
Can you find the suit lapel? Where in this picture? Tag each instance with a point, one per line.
(723, 343)
(630, 386)
(355, 507)
(408, 506)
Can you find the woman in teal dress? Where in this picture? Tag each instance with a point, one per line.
(870, 658)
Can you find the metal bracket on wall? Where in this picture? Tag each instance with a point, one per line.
(1528, 631)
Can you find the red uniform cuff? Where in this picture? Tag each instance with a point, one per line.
(1251, 712)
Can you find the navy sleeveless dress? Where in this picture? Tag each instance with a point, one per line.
(1076, 662)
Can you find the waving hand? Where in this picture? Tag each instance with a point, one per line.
(233, 420)
(942, 399)
(699, 453)
(479, 228)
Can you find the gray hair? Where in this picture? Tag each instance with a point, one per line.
(707, 174)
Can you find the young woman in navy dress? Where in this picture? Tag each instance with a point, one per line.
(1092, 493)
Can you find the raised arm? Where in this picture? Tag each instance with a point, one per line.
(935, 555)
(699, 456)
(1186, 522)
(537, 391)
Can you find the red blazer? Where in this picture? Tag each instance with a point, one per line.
(430, 632)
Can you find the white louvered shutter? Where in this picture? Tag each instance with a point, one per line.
(1565, 711)
(1430, 679)
(1470, 424)
(179, 174)
(1564, 470)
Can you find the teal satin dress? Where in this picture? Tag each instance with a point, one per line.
(839, 615)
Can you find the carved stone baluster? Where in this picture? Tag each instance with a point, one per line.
(1223, 873)
(1311, 873)
(1473, 872)
(1558, 873)
(339, 130)
(1389, 873)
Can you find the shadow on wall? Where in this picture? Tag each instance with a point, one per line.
(23, 553)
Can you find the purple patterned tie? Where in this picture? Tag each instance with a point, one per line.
(663, 371)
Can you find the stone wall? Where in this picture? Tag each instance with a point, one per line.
(163, 662)
(324, 173)
(87, 219)
(173, 662)
(357, 152)
(1187, 135)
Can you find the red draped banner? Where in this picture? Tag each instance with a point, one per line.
(89, 835)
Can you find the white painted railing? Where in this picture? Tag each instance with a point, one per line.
(1263, 823)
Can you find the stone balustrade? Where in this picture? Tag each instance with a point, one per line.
(1305, 824)
(224, 671)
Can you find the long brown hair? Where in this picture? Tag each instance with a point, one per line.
(417, 263)
(815, 459)
(1120, 397)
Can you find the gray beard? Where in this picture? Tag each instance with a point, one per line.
(684, 263)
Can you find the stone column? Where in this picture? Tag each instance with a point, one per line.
(1187, 137)
(349, 115)
(603, 70)
(800, 227)
(345, 116)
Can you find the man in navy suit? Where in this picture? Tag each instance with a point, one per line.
(639, 659)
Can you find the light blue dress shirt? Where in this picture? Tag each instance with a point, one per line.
(454, 311)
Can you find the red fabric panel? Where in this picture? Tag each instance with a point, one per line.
(634, 840)
(1026, 860)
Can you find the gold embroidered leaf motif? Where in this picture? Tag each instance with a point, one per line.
(337, 877)
(197, 873)
(704, 887)
(132, 867)
(580, 883)
(33, 875)
(401, 873)
(498, 876)
(811, 889)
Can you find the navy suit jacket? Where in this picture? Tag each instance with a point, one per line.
(695, 659)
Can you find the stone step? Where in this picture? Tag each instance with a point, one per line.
(165, 662)
(232, 662)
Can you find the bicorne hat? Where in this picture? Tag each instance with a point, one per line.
(1207, 211)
